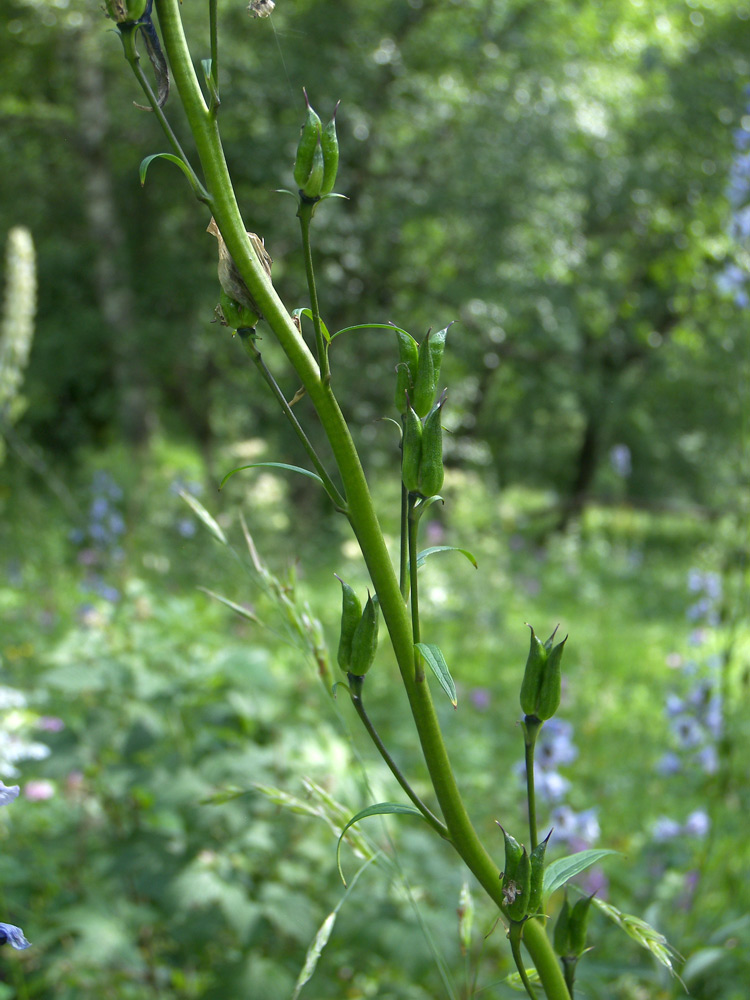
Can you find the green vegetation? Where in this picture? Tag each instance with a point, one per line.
(566, 188)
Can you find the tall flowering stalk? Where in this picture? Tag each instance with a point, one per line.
(17, 330)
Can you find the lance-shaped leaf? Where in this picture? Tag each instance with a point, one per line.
(563, 869)
(379, 809)
(272, 465)
(424, 555)
(198, 190)
(436, 661)
(296, 313)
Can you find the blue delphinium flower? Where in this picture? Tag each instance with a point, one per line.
(14, 936)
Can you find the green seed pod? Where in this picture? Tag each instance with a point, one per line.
(125, 11)
(351, 612)
(437, 349)
(431, 463)
(578, 926)
(548, 697)
(516, 878)
(308, 143)
(561, 935)
(411, 448)
(425, 382)
(330, 146)
(365, 639)
(532, 675)
(517, 893)
(234, 315)
(314, 184)
(406, 369)
(536, 885)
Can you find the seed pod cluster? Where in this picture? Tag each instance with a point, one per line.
(571, 928)
(542, 678)
(317, 160)
(358, 641)
(523, 878)
(422, 450)
(406, 369)
(427, 374)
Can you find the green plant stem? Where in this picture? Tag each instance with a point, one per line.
(413, 530)
(214, 42)
(403, 574)
(531, 727)
(246, 337)
(305, 214)
(128, 33)
(514, 936)
(361, 510)
(355, 692)
(569, 971)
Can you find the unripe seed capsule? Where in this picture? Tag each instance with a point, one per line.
(425, 383)
(548, 698)
(365, 639)
(308, 143)
(314, 184)
(406, 370)
(330, 146)
(431, 471)
(411, 447)
(532, 675)
(351, 612)
(517, 908)
(536, 884)
(578, 926)
(561, 938)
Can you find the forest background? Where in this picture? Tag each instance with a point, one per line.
(565, 180)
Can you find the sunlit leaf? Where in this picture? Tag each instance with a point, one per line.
(426, 553)
(436, 661)
(642, 933)
(272, 465)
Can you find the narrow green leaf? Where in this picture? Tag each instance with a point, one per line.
(308, 312)
(436, 661)
(426, 553)
(379, 809)
(563, 869)
(195, 184)
(200, 511)
(272, 465)
(225, 795)
(230, 604)
(207, 65)
(515, 983)
(368, 326)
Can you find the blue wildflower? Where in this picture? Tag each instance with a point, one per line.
(14, 936)
(8, 793)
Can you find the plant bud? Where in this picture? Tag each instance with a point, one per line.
(542, 678)
(431, 463)
(329, 145)
(425, 383)
(516, 878)
(365, 639)
(235, 316)
(351, 612)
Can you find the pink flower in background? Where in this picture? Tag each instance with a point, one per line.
(51, 723)
(38, 790)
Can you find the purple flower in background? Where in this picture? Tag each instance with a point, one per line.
(14, 936)
(621, 461)
(665, 829)
(579, 830)
(480, 698)
(669, 764)
(698, 823)
(8, 793)
(555, 745)
(51, 723)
